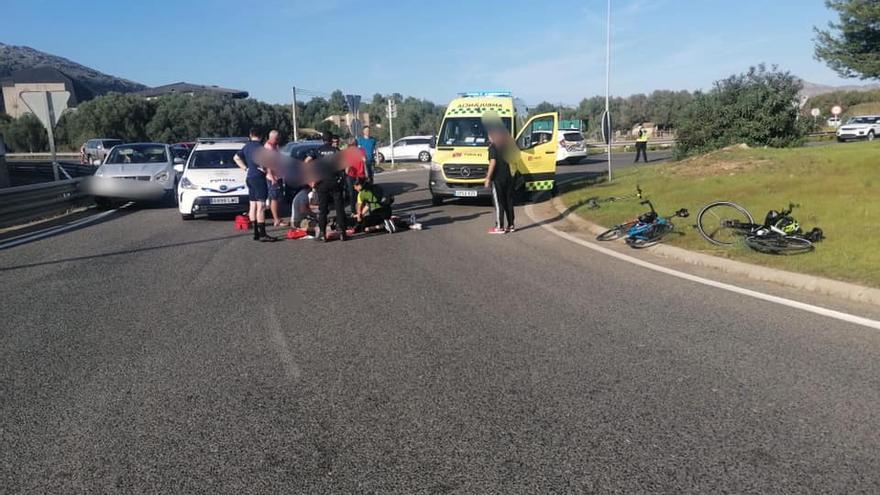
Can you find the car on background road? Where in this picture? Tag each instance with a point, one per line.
(136, 171)
(572, 146)
(300, 149)
(409, 148)
(861, 127)
(210, 181)
(95, 150)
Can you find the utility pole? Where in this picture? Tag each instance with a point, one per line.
(293, 108)
(608, 139)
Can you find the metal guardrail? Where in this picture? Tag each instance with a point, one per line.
(44, 169)
(41, 156)
(25, 203)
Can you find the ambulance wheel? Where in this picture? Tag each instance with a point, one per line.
(424, 157)
(436, 200)
(186, 216)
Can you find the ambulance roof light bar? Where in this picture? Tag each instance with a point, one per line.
(478, 94)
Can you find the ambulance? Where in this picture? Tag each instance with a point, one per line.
(461, 159)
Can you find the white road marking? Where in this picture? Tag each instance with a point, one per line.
(290, 368)
(33, 236)
(830, 313)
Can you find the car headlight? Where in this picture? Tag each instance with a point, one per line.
(161, 176)
(187, 184)
(435, 167)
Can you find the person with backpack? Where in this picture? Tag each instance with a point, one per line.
(330, 186)
(373, 207)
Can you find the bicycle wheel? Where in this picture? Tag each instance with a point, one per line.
(724, 223)
(777, 244)
(651, 237)
(615, 232)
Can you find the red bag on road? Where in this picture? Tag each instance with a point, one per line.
(242, 222)
(297, 233)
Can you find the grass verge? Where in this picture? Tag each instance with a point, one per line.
(837, 188)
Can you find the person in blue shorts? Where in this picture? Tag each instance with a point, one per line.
(258, 189)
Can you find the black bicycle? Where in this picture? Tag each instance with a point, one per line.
(595, 202)
(725, 223)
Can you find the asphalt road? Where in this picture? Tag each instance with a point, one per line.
(147, 354)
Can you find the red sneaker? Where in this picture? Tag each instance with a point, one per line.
(496, 230)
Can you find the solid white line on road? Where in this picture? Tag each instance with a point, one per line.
(33, 236)
(830, 313)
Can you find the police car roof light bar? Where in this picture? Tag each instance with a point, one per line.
(213, 140)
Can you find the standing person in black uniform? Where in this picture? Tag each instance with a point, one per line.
(500, 179)
(329, 187)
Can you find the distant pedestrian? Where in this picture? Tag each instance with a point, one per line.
(276, 184)
(368, 144)
(641, 144)
(500, 179)
(258, 191)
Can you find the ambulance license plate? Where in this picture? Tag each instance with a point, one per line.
(224, 201)
(466, 193)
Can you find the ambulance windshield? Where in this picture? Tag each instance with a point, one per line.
(465, 131)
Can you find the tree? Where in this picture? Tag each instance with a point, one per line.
(759, 108)
(26, 134)
(851, 46)
(110, 116)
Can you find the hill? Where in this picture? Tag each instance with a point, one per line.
(812, 89)
(15, 58)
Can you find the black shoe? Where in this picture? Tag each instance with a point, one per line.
(343, 236)
(256, 231)
(264, 236)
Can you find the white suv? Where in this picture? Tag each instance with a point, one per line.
(419, 148)
(863, 127)
(211, 182)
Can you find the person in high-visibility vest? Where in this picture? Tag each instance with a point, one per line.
(641, 144)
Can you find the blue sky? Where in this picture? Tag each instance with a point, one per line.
(541, 49)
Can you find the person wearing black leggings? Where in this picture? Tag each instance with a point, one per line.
(500, 179)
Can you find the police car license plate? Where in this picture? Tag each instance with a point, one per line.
(466, 193)
(224, 201)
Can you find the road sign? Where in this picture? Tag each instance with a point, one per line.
(836, 110)
(815, 112)
(392, 109)
(48, 107)
(606, 127)
(354, 105)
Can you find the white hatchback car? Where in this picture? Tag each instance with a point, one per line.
(862, 127)
(419, 148)
(211, 182)
(135, 171)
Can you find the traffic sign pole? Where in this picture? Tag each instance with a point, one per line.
(392, 112)
(48, 107)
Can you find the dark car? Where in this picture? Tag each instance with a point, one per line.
(300, 149)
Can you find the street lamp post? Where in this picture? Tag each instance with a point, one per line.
(608, 88)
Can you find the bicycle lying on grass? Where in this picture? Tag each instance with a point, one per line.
(648, 229)
(725, 223)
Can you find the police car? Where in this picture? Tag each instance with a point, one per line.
(211, 182)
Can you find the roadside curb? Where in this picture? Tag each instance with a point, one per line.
(810, 283)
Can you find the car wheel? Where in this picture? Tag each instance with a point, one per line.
(424, 157)
(380, 158)
(871, 136)
(186, 216)
(841, 140)
(436, 200)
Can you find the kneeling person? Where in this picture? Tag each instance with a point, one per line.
(370, 210)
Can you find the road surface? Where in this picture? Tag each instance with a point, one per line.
(143, 353)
